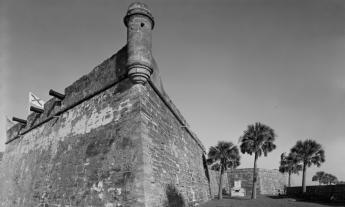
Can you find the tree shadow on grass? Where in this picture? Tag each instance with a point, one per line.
(309, 200)
(226, 197)
(277, 196)
(240, 198)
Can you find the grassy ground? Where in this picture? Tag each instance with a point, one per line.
(264, 201)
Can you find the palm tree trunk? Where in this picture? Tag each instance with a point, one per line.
(220, 193)
(254, 177)
(304, 187)
(228, 176)
(289, 183)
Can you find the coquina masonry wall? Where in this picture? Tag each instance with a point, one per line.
(246, 177)
(172, 157)
(90, 155)
(272, 181)
(116, 139)
(269, 181)
(116, 147)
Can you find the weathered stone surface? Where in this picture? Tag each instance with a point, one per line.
(272, 181)
(122, 146)
(246, 176)
(269, 181)
(14, 130)
(107, 143)
(108, 72)
(90, 156)
(173, 158)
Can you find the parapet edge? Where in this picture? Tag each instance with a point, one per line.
(104, 75)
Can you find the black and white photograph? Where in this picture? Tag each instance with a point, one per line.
(172, 103)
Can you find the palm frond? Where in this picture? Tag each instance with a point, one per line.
(257, 138)
(309, 152)
(289, 164)
(223, 156)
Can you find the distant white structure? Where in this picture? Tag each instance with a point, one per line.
(237, 190)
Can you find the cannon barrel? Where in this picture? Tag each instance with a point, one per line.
(36, 110)
(22, 121)
(56, 94)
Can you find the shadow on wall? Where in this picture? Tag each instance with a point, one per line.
(174, 198)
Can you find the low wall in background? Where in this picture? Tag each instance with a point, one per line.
(321, 192)
(245, 175)
(270, 182)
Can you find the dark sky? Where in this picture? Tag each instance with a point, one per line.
(225, 64)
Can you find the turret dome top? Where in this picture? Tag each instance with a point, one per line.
(138, 5)
(138, 8)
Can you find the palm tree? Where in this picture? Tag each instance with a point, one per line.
(257, 139)
(223, 156)
(309, 153)
(329, 179)
(333, 179)
(289, 164)
(318, 176)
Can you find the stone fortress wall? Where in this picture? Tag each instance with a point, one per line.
(115, 139)
(270, 182)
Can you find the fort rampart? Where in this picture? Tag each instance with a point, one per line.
(115, 139)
